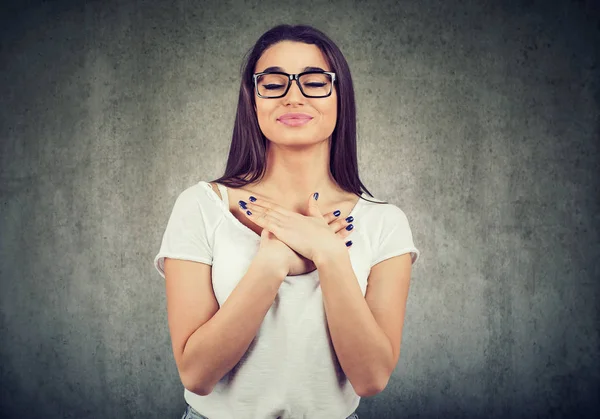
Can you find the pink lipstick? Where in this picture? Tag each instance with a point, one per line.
(294, 119)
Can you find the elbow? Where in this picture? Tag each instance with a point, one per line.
(195, 385)
(193, 378)
(374, 386)
(371, 390)
(378, 382)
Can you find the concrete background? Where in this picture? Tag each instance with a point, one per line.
(480, 119)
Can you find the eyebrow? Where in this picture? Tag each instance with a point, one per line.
(268, 69)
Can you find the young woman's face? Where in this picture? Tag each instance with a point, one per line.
(293, 58)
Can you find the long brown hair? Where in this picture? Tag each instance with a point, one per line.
(247, 154)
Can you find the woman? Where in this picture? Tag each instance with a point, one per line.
(267, 300)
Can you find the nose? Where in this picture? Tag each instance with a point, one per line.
(294, 94)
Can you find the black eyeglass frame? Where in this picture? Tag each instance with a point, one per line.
(292, 77)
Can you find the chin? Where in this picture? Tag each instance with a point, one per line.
(297, 139)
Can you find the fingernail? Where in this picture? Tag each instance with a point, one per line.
(242, 204)
(349, 227)
(252, 199)
(336, 213)
(350, 219)
(248, 212)
(316, 195)
(349, 243)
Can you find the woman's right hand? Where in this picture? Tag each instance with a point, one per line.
(281, 256)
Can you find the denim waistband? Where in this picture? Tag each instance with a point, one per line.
(191, 413)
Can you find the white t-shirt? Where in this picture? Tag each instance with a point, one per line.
(290, 369)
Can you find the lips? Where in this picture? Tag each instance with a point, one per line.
(294, 119)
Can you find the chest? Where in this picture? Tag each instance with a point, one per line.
(344, 204)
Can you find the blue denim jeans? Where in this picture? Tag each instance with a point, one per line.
(191, 413)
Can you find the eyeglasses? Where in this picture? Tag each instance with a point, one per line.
(273, 85)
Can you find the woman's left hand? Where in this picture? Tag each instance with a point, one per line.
(309, 235)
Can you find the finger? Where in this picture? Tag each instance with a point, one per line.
(266, 204)
(345, 231)
(264, 218)
(338, 225)
(343, 234)
(331, 217)
(258, 212)
(342, 223)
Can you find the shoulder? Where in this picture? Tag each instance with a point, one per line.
(377, 207)
(198, 194)
(215, 188)
(195, 191)
(382, 216)
(198, 204)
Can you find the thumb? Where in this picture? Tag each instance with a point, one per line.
(313, 206)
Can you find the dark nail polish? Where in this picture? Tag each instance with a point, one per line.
(336, 213)
(350, 219)
(248, 212)
(349, 227)
(242, 204)
(316, 195)
(252, 199)
(349, 243)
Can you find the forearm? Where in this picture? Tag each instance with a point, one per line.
(218, 345)
(363, 349)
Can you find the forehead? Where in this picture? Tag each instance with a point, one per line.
(293, 57)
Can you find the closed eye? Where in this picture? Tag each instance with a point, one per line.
(273, 86)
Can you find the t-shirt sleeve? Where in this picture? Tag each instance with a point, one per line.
(395, 237)
(185, 236)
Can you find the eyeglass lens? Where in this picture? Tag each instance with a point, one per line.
(312, 84)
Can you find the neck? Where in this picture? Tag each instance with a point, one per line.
(293, 174)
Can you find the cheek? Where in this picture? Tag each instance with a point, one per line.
(331, 112)
(263, 111)
(332, 105)
(334, 110)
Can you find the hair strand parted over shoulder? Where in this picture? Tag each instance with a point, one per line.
(246, 162)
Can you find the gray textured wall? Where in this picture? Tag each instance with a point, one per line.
(478, 119)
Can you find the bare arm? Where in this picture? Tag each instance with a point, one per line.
(362, 347)
(207, 341)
